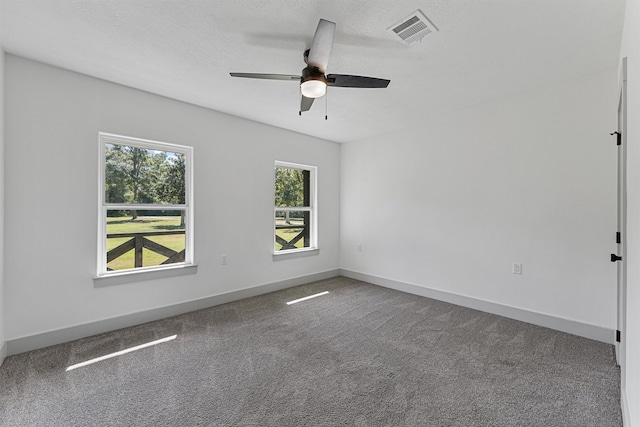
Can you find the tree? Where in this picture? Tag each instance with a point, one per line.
(289, 189)
(138, 176)
(115, 174)
(172, 185)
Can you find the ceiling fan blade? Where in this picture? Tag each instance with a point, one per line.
(305, 103)
(346, 80)
(321, 45)
(266, 76)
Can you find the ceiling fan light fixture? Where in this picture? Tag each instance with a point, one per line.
(313, 88)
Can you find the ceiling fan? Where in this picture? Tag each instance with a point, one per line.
(313, 81)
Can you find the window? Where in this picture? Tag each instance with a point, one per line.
(295, 211)
(145, 201)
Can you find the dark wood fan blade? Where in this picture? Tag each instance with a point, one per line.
(305, 103)
(346, 80)
(321, 45)
(266, 76)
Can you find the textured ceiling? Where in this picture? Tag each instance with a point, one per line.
(484, 50)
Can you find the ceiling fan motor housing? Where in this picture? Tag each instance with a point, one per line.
(314, 73)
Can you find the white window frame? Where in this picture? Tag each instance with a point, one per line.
(312, 209)
(103, 206)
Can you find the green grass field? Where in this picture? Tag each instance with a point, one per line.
(144, 224)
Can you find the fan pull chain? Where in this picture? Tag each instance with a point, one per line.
(326, 101)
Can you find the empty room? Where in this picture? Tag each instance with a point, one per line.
(321, 213)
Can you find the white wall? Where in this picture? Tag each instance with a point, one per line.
(631, 370)
(53, 120)
(452, 203)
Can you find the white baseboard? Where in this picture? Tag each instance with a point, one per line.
(3, 352)
(58, 336)
(626, 413)
(597, 333)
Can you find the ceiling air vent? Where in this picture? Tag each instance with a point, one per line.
(413, 28)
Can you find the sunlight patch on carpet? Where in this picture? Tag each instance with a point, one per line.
(306, 298)
(120, 353)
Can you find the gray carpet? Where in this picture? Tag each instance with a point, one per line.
(359, 356)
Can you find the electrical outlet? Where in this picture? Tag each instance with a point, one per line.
(225, 259)
(517, 268)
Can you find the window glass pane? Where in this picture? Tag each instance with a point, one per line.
(143, 176)
(292, 230)
(144, 238)
(291, 187)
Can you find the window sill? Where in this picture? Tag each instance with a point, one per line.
(298, 253)
(142, 275)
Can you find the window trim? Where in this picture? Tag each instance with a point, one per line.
(103, 206)
(312, 209)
